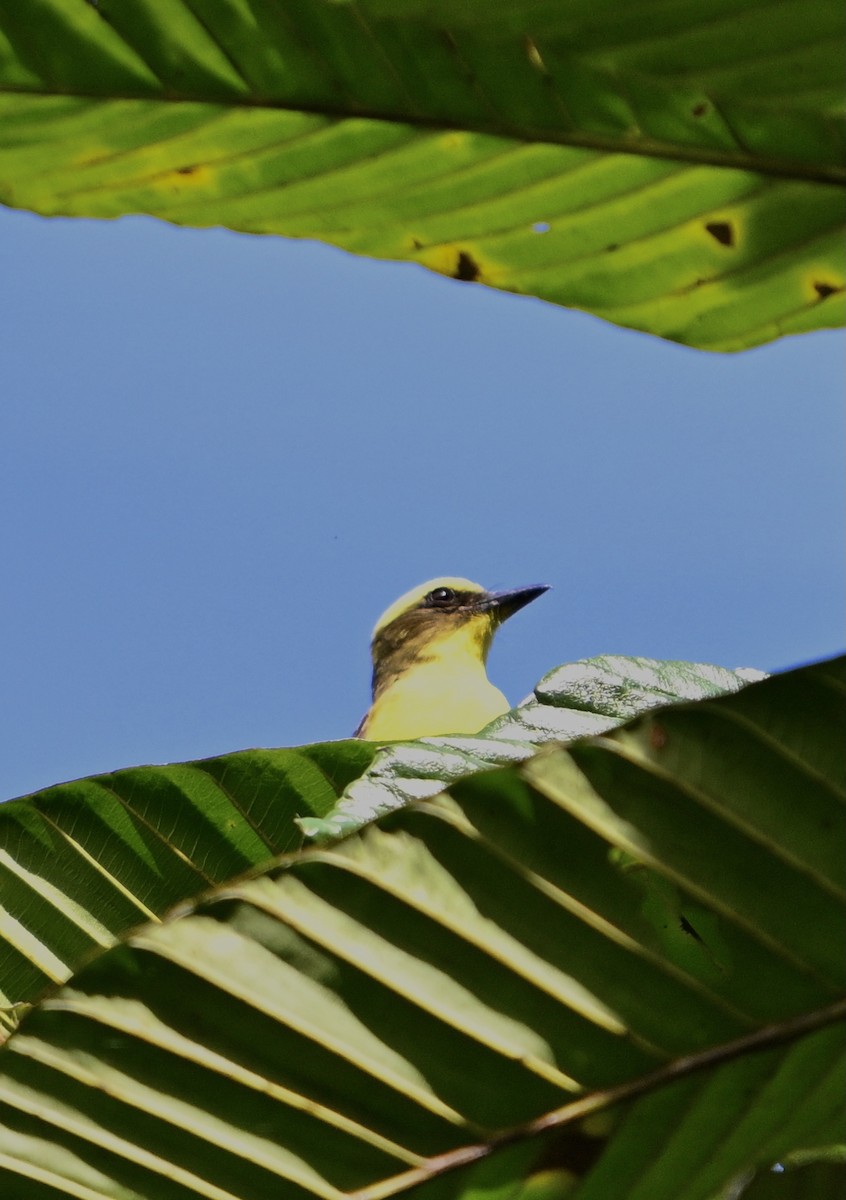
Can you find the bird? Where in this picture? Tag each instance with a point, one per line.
(429, 651)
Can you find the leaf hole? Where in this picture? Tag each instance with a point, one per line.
(541, 227)
(721, 231)
(687, 928)
(824, 290)
(467, 268)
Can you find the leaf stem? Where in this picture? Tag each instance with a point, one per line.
(750, 1043)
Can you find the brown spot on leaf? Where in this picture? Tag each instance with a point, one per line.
(185, 170)
(700, 109)
(612, 246)
(657, 736)
(721, 231)
(824, 290)
(467, 268)
(417, 244)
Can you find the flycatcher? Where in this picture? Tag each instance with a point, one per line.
(429, 653)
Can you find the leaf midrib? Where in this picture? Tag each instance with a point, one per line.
(792, 169)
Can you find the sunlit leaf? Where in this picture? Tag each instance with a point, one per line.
(673, 169)
(440, 1000)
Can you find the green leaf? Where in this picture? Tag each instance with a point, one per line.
(576, 700)
(671, 170)
(83, 862)
(814, 1181)
(132, 844)
(440, 1000)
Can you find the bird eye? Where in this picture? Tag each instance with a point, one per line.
(440, 597)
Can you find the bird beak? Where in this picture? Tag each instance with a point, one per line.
(506, 604)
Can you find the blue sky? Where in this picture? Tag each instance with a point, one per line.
(222, 456)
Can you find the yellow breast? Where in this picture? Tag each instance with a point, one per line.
(432, 699)
(445, 691)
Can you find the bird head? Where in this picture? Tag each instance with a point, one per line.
(415, 625)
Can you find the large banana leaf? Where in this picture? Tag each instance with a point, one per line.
(673, 168)
(575, 700)
(646, 927)
(83, 862)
